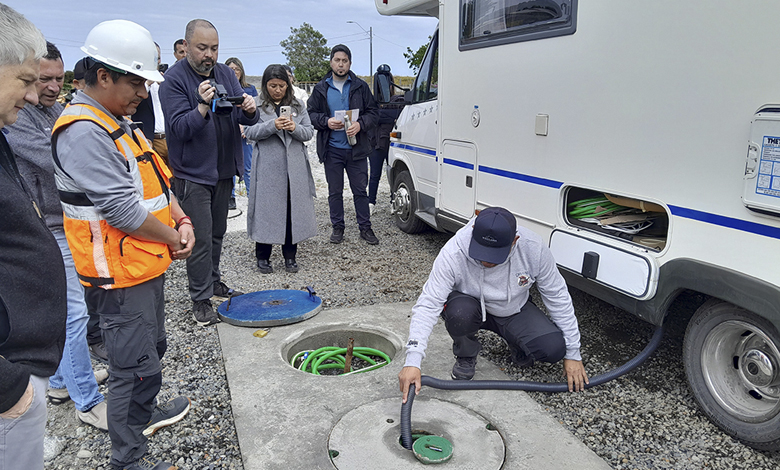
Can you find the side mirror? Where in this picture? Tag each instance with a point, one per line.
(382, 88)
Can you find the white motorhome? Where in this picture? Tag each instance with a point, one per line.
(557, 109)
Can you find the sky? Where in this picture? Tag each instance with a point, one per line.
(249, 30)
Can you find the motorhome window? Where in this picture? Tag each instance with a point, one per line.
(493, 22)
(426, 86)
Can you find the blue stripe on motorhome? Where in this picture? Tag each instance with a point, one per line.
(458, 163)
(423, 150)
(521, 177)
(723, 221)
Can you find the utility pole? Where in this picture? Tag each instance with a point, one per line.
(370, 49)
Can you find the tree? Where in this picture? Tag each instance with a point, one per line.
(307, 53)
(414, 59)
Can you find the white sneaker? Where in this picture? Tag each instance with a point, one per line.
(97, 416)
(371, 209)
(101, 376)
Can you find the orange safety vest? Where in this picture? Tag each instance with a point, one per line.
(105, 256)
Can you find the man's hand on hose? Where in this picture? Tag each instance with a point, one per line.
(408, 376)
(575, 375)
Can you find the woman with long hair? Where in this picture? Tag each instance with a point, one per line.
(281, 206)
(249, 89)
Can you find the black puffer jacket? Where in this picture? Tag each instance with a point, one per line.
(360, 97)
(33, 292)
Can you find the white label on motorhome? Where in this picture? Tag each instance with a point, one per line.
(768, 182)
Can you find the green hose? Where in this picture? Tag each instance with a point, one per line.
(330, 357)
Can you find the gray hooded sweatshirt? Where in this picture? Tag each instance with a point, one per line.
(502, 290)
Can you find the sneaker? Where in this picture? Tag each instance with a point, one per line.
(264, 266)
(58, 396)
(203, 313)
(167, 414)
(222, 291)
(101, 375)
(95, 416)
(290, 266)
(369, 237)
(371, 208)
(337, 236)
(232, 204)
(464, 368)
(148, 463)
(98, 352)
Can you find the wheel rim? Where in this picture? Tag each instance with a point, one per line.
(740, 366)
(402, 202)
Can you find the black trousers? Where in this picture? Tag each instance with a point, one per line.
(336, 162)
(529, 330)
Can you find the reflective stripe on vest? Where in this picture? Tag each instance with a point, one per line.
(105, 256)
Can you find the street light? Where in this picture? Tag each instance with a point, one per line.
(370, 47)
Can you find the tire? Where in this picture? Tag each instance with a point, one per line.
(405, 204)
(732, 362)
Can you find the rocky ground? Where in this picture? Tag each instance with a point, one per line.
(646, 420)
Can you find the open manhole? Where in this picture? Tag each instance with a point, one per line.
(368, 437)
(324, 350)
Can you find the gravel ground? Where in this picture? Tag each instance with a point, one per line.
(646, 420)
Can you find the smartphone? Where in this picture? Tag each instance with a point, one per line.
(285, 111)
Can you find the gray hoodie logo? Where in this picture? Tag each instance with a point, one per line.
(523, 280)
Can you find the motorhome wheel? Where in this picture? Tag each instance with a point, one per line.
(732, 361)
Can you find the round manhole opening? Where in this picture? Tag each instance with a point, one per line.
(370, 433)
(327, 350)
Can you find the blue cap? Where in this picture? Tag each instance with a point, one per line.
(494, 232)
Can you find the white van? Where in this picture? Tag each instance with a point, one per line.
(571, 113)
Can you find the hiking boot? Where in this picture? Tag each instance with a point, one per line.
(167, 414)
(369, 237)
(337, 236)
(58, 396)
(98, 352)
(203, 313)
(519, 357)
(290, 266)
(464, 368)
(148, 463)
(223, 292)
(264, 266)
(95, 416)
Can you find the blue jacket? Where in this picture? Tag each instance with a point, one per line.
(192, 139)
(360, 97)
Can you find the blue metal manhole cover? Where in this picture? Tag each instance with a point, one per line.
(270, 308)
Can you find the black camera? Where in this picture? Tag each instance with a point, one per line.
(162, 68)
(222, 103)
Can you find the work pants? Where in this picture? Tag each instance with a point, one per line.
(75, 369)
(21, 439)
(529, 330)
(132, 320)
(336, 162)
(207, 207)
(377, 160)
(160, 147)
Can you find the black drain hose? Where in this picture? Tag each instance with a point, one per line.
(406, 408)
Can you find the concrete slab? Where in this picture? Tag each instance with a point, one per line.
(284, 417)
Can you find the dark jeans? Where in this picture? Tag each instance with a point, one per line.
(377, 160)
(530, 329)
(336, 162)
(207, 206)
(132, 320)
(289, 249)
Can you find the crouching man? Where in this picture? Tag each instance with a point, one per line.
(480, 280)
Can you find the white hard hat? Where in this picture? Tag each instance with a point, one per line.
(126, 46)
